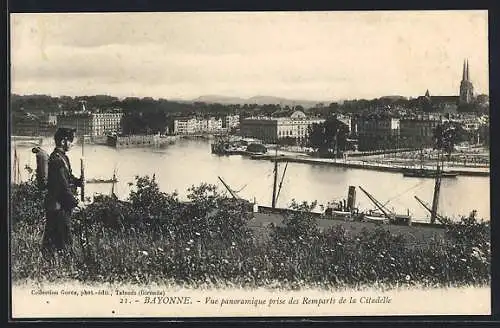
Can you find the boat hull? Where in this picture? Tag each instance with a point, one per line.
(101, 181)
(375, 219)
(428, 174)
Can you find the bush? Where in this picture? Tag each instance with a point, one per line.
(152, 236)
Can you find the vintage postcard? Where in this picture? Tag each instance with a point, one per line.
(228, 164)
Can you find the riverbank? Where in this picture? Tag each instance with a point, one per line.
(368, 164)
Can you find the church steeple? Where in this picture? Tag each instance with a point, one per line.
(466, 87)
(464, 73)
(467, 71)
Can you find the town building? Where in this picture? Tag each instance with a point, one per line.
(193, 125)
(418, 131)
(213, 124)
(376, 132)
(90, 123)
(444, 104)
(272, 129)
(346, 119)
(231, 121)
(469, 121)
(184, 125)
(106, 123)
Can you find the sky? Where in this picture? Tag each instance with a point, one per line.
(297, 55)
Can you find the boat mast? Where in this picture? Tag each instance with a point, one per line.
(275, 177)
(379, 205)
(228, 188)
(113, 182)
(437, 188)
(281, 182)
(440, 218)
(16, 167)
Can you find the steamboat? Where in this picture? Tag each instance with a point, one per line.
(345, 213)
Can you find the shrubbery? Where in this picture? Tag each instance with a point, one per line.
(154, 237)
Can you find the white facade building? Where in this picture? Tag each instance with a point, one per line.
(92, 124)
(232, 121)
(271, 129)
(193, 125)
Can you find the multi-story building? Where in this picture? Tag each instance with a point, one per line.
(346, 120)
(184, 125)
(213, 124)
(418, 131)
(262, 128)
(91, 124)
(377, 126)
(469, 121)
(377, 132)
(272, 129)
(231, 121)
(192, 125)
(106, 123)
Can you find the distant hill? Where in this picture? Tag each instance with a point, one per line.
(394, 98)
(258, 100)
(219, 99)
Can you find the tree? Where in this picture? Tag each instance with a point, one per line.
(445, 137)
(299, 107)
(331, 134)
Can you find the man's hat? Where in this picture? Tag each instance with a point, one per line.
(65, 133)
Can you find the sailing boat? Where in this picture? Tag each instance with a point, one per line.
(424, 173)
(435, 199)
(344, 213)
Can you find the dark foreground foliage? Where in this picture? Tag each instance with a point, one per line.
(154, 237)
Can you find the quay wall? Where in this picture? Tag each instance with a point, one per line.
(140, 141)
(365, 165)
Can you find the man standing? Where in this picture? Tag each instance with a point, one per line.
(60, 200)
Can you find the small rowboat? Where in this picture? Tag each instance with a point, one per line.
(101, 181)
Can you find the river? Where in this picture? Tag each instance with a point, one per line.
(190, 162)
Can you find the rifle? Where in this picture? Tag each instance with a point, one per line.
(82, 174)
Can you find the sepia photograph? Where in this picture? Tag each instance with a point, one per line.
(249, 164)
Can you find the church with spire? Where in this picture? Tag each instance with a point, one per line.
(450, 103)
